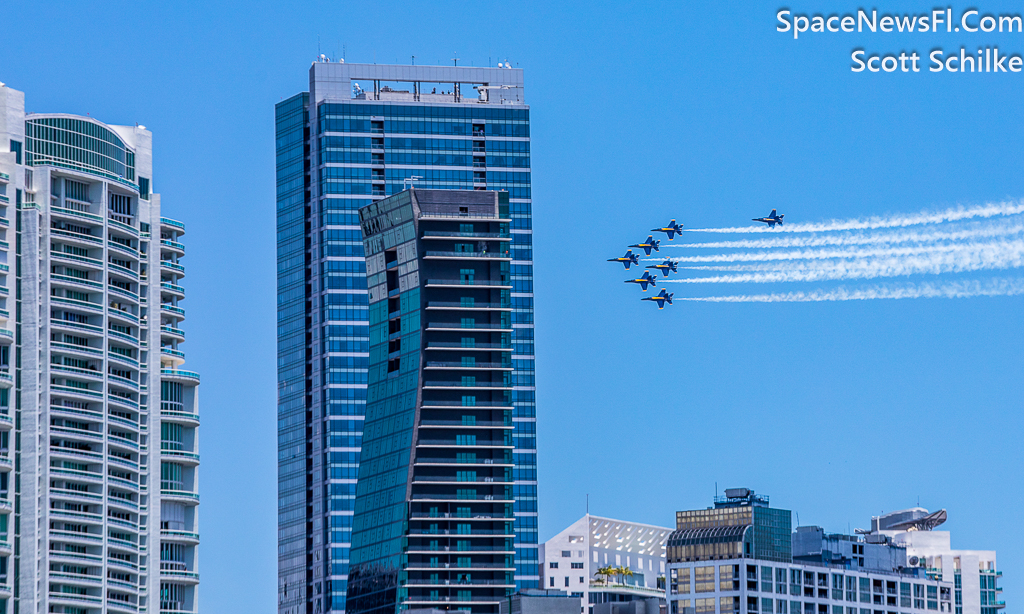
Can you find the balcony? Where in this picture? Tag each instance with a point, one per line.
(447, 236)
(432, 305)
(187, 377)
(172, 309)
(470, 325)
(177, 357)
(172, 267)
(477, 366)
(451, 443)
(461, 283)
(175, 333)
(181, 456)
(489, 217)
(454, 462)
(462, 385)
(175, 224)
(185, 577)
(173, 246)
(175, 412)
(180, 496)
(442, 479)
(429, 404)
(459, 347)
(459, 583)
(172, 289)
(187, 537)
(468, 256)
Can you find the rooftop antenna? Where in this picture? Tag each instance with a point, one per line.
(588, 504)
(456, 58)
(413, 60)
(343, 52)
(408, 181)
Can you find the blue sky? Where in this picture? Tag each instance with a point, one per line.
(640, 113)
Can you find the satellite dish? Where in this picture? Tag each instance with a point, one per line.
(914, 561)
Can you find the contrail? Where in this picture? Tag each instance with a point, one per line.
(953, 259)
(820, 254)
(873, 223)
(960, 289)
(870, 238)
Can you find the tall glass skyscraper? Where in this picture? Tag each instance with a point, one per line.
(98, 420)
(361, 133)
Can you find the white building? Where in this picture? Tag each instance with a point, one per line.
(973, 572)
(98, 444)
(571, 560)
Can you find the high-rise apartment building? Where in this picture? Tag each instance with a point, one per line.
(433, 524)
(98, 443)
(361, 133)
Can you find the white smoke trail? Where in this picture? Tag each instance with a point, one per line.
(875, 222)
(959, 289)
(950, 259)
(977, 231)
(821, 254)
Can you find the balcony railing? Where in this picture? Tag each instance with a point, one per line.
(474, 305)
(449, 216)
(429, 403)
(468, 282)
(442, 234)
(462, 365)
(180, 373)
(495, 255)
(469, 325)
(433, 345)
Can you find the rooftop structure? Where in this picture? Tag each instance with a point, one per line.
(740, 525)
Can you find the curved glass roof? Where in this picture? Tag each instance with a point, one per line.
(80, 144)
(707, 535)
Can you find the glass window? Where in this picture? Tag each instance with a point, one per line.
(704, 580)
(729, 577)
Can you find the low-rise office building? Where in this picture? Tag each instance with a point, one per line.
(741, 555)
(603, 560)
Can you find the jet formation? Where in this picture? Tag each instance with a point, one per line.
(668, 266)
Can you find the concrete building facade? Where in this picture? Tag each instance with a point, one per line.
(572, 559)
(98, 421)
(716, 566)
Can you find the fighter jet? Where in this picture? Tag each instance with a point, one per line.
(661, 299)
(772, 219)
(628, 259)
(665, 267)
(643, 280)
(670, 230)
(648, 245)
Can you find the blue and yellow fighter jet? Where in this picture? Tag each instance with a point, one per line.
(648, 245)
(628, 259)
(643, 280)
(670, 230)
(772, 219)
(661, 299)
(665, 267)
